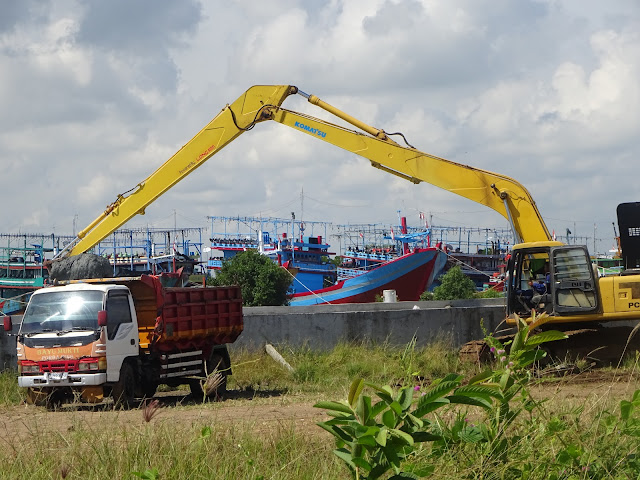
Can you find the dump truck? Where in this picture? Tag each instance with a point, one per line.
(121, 337)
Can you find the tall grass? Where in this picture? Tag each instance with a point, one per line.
(96, 450)
(330, 371)
(10, 393)
(566, 438)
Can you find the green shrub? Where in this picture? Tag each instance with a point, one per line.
(454, 285)
(426, 296)
(262, 281)
(489, 293)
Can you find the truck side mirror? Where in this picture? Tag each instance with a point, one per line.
(8, 324)
(102, 318)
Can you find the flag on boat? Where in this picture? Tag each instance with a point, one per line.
(422, 217)
(393, 235)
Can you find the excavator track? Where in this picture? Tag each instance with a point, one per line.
(603, 346)
(476, 351)
(600, 346)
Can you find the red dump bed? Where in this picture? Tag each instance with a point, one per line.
(172, 318)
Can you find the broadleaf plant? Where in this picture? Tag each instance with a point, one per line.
(376, 435)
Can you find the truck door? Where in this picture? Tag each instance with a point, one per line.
(122, 332)
(573, 282)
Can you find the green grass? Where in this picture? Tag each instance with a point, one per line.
(563, 439)
(10, 393)
(331, 371)
(239, 451)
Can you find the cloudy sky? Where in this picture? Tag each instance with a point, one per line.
(96, 95)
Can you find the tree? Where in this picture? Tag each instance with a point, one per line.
(454, 285)
(337, 260)
(261, 280)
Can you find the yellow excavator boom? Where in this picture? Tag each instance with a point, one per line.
(263, 103)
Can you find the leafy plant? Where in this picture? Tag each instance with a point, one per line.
(598, 460)
(262, 281)
(149, 474)
(407, 360)
(504, 387)
(426, 296)
(489, 293)
(454, 285)
(375, 437)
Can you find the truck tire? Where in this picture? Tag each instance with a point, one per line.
(37, 397)
(217, 386)
(196, 389)
(123, 392)
(56, 399)
(149, 389)
(52, 399)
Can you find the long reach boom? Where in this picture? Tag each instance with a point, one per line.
(263, 103)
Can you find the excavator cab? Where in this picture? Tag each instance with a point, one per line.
(558, 280)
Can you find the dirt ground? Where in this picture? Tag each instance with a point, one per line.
(266, 410)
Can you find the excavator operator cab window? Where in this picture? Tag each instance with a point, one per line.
(530, 282)
(555, 280)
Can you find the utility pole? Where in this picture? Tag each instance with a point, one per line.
(293, 236)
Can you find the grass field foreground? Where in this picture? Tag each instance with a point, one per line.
(560, 439)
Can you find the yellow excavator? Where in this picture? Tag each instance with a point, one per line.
(543, 275)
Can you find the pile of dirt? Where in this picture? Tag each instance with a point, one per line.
(86, 265)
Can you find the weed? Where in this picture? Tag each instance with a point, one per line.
(150, 409)
(306, 372)
(373, 438)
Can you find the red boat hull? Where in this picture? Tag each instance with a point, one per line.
(409, 275)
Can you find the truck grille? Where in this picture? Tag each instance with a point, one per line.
(59, 366)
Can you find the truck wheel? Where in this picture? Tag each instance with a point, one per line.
(123, 392)
(55, 400)
(149, 389)
(37, 396)
(215, 384)
(196, 388)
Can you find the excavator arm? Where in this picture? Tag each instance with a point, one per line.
(252, 107)
(263, 103)
(499, 192)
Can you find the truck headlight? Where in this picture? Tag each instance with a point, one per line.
(28, 367)
(89, 364)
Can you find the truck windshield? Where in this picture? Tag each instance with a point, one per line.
(62, 311)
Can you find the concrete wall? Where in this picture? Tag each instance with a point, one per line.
(324, 326)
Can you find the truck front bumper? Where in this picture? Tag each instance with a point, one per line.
(62, 379)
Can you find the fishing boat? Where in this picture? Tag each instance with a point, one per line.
(408, 275)
(132, 252)
(360, 275)
(21, 273)
(306, 257)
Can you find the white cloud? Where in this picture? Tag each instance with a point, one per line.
(543, 91)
